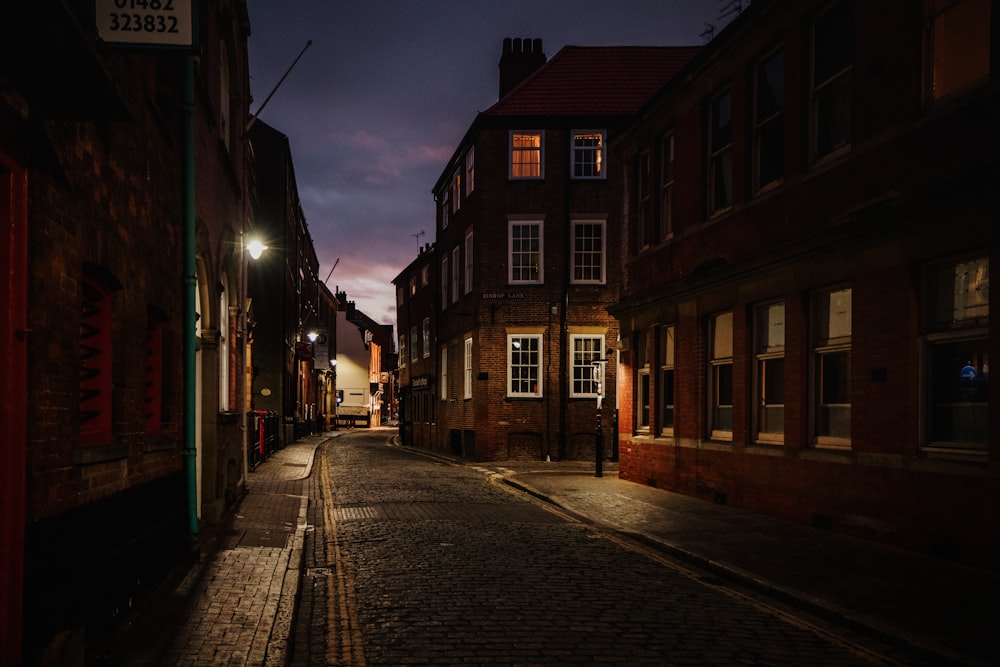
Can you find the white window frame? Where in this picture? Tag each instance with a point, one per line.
(467, 368)
(582, 383)
(579, 155)
(721, 167)
(830, 336)
(468, 261)
(537, 341)
(456, 266)
(402, 350)
(470, 170)
(578, 254)
(769, 349)
(540, 253)
(668, 350)
(720, 355)
(519, 151)
(444, 372)
(427, 337)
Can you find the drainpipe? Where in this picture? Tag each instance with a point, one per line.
(190, 283)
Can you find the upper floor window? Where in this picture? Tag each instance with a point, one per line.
(427, 337)
(525, 241)
(833, 58)
(470, 171)
(588, 154)
(643, 199)
(402, 350)
(524, 365)
(456, 190)
(445, 207)
(588, 252)
(425, 275)
(584, 350)
(444, 281)
(525, 154)
(768, 121)
(414, 345)
(468, 261)
(666, 228)
(958, 44)
(957, 356)
(456, 266)
(720, 158)
(831, 348)
(413, 285)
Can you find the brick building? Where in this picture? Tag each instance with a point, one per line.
(365, 366)
(96, 144)
(811, 220)
(527, 218)
(417, 317)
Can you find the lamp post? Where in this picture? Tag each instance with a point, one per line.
(254, 248)
(597, 368)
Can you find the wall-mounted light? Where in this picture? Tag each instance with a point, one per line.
(256, 248)
(312, 336)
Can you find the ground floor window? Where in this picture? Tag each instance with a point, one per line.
(665, 390)
(524, 364)
(831, 352)
(721, 375)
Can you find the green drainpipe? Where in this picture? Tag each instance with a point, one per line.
(190, 284)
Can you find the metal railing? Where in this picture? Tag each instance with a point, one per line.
(262, 436)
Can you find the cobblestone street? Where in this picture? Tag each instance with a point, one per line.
(414, 561)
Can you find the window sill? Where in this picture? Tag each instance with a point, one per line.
(952, 452)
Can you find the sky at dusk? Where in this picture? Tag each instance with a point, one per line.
(378, 103)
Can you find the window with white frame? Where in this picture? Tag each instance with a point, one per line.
(721, 376)
(444, 372)
(427, 337)
(468, 261)
(467, 368)
(525, 245)
(588, 252)
(957, 356)
(425, 275)
(402, 350)
(831, 352)
(666, 227)
(833, 59)
(524, 365)
(525, 154)
(588, 154)
(769, 385)
(642, 382)
(584, 350)
(470, 170)
(414, 345)
(958, 45)
(665, 390)
(720, 154)
(456, 266)
(769, 121)
(444, 281)
(445, 208)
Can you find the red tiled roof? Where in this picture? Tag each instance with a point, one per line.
(587, 80)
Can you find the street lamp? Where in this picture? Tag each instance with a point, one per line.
(597, 368)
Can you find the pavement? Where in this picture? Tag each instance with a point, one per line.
(236, 605)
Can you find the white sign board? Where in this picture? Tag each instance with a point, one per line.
(146, 22)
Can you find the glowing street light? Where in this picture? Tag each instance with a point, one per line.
(256, 248)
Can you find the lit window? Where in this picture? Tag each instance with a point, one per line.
(467, 368)
(958, 45)
(667, 188)
(524, 365)
(525, 252)
(413, 285)
(444, 373)
(642, 382)
(957, 355)
(769, 122)
(456, 191)
(770, 370)
(721, 376)
(720, 158)
(525, 155)
(665, 390)
(588, 252)
(833, 55)
(588, 154)
(832, 368)
(584, 349)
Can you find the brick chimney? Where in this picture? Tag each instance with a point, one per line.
(520, 58)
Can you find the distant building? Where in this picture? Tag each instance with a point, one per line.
(526, 261)
(417, 318)
(364, 377)
(805, 309)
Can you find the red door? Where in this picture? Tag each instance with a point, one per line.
(13, 402)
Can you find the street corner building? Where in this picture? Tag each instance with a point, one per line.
(810, 220)
(503, 319)
(123, 193)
